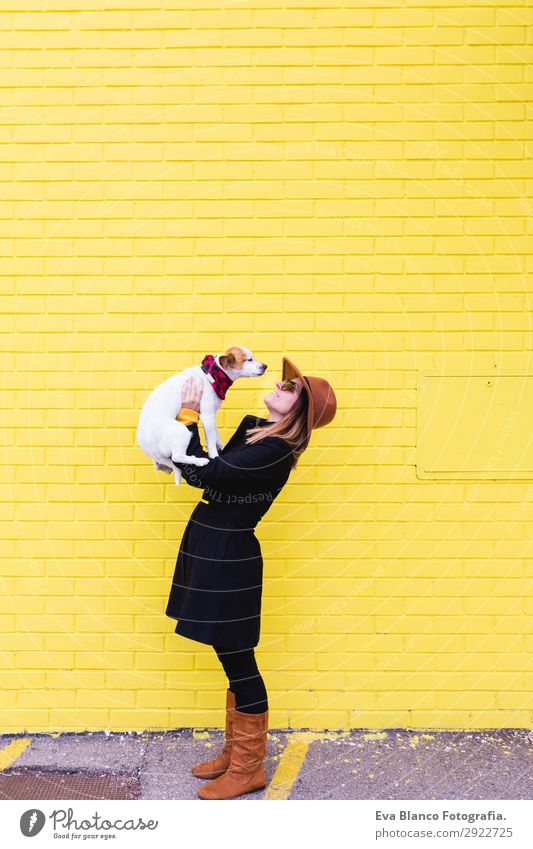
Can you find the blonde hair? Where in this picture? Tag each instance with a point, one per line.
(292, 428)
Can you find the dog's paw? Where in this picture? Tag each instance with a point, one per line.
(200, 461)
(190, 459)
(180, 457)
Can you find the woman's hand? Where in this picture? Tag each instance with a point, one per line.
(191, 394)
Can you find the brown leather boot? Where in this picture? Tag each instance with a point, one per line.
(245, 772)
(214, 768)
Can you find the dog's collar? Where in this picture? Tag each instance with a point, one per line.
(220, 381)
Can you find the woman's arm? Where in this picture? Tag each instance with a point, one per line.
(189, 418)
(191, 395)
(252, 468)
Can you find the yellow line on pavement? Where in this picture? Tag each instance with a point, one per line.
(288, 768)
(12, 751)
(292, 759)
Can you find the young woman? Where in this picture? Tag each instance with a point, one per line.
(217, 584)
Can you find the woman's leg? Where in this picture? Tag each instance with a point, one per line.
(244, 679)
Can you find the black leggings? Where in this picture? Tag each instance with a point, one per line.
(244, 679)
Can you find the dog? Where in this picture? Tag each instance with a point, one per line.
(162, 437)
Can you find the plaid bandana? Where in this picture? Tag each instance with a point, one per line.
(220, 381)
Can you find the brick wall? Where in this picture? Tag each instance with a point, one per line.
(349, 186)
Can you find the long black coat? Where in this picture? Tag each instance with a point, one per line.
(217, 584)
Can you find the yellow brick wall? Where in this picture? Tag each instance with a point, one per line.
(348, 184)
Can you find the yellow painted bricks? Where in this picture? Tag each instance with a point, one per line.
(350, 187)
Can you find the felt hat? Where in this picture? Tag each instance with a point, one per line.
(322, 404)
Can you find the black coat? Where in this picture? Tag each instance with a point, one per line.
(217, 584)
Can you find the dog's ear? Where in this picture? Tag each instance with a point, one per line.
(227, 360)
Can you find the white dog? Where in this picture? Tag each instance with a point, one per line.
(163, 438)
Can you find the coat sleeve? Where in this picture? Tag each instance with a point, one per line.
(235, 438)
(252, 468)
(195, 446)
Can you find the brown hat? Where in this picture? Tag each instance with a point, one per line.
(322, 404)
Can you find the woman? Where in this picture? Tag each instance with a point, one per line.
(217, 584)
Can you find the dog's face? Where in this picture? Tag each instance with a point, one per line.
(240, 362)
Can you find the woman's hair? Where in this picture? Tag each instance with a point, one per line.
(292, 428)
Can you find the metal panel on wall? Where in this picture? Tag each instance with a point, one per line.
(474, 426)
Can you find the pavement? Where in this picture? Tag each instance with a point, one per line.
(355, 764)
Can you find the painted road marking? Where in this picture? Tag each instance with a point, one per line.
(13, 750)
(291, 762)
(288, 768)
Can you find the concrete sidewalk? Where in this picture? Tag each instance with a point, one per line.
(357, 764)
